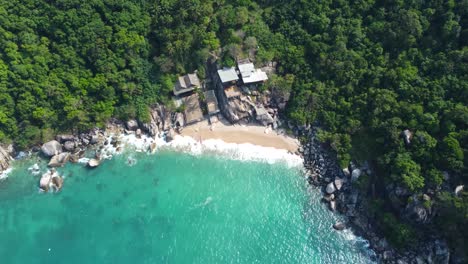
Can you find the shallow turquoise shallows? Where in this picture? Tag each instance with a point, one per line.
(170, 208)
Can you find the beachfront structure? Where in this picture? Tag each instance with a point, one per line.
(228, 76)
(186, 83)
(251, 75)
(211, 102)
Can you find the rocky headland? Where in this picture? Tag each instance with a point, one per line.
(341, 192)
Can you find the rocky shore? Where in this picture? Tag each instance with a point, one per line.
(342, 194)
(339, 185)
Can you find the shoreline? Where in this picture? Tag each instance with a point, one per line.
(241, 134)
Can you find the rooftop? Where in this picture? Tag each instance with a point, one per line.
(186, 83)
(228, 75)
(193, 112)
(211, 102)
(250, 74)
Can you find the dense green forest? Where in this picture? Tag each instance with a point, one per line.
(364, 70)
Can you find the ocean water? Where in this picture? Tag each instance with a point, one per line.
(171, 207)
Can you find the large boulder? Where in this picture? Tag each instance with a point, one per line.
(59, 159)
(330, 188)
(459, 189)
(179, 120)
(170, 135)
(63, 138)
(333, 205)
(338, 183)
(69, 146)
(132, 125)
(5, 159)
(138, 133)
(264, 117)
(45, 181)
(93, 163)
(355, 174)
(51, 148)
(57, 182)
(339, 226)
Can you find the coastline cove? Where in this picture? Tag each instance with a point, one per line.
(189, 202)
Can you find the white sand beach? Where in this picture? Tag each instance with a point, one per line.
(253, 134)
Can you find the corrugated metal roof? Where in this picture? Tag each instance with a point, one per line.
(250, 74)
(228, 75)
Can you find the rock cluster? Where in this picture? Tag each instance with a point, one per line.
(51, 179)
(342, 194)
(5, 159)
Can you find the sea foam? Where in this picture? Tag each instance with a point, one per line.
(185, 144)
(4, 174)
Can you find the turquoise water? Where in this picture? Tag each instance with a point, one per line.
(170, 208)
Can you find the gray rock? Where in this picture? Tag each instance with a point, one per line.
(459, 189)
(132, 125)
(69, 146)
(5, 159)
(407, 135)
(51, 148)
(93, 163)
(63, 138)
(339, 226)
(179, 120)
(416, 211)
(264, 117)
(57, 182)
(170, 135)
(333, 205)
(138, 133)
(356, 174)
(94, 139)
(330, 188)
(59, 159)
(338, 183)
(442, 253)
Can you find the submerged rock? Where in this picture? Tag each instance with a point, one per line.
(51, 148)
(46, 178)
(339, 226)
(57, 182)
(93, 163)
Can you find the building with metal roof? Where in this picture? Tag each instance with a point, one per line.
(251, 75)
(186, 83)
(227, 75)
